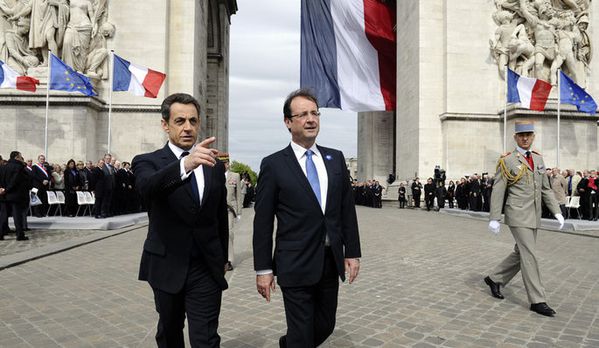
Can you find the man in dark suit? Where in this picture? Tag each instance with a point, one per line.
(41, 181)
(16, 183)
(109, 185)
(307, 187)
(184, 255)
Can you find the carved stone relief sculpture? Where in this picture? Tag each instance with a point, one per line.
(538, 37)
(74, 30)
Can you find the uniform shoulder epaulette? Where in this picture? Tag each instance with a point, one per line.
(505, 154)
(536, 153)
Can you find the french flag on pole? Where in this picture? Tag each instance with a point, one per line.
(136, 79)
(529, 92)
(348, 53)
(11, 79)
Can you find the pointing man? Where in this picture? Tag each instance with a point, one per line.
(184, 254)
(521, 182)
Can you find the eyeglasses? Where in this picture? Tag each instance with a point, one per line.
(305, 114)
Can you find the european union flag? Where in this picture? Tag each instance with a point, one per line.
(65, 78)
(571, 93)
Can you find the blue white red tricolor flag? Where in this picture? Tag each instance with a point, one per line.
(9, 78)
(529, 92)
(348, 53)
(136, 79)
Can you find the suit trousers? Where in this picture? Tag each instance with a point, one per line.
(524, 259)
(17, 215)
(231, 236)
(310, 310)
(200, 299)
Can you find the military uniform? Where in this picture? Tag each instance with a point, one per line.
(522, 188)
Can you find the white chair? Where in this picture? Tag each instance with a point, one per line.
(53, 200)
(61, 199)
(573, 203)
(81, 202)
(90, 200)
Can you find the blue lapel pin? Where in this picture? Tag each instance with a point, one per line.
(328, 157)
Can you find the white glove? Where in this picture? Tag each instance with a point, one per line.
(560, 219)
(494, 226)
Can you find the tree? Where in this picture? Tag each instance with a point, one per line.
(238, 167)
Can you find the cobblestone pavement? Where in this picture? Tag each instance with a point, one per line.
(420, 286)
(39, 238)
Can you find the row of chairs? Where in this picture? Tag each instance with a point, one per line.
(85, 200)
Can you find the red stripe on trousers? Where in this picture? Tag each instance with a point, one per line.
(379, 21)
(540, 94)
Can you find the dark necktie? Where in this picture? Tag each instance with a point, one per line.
(529, 160)
(312, 175)
(192, 180)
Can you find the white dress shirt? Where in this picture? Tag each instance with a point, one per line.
(199, 173)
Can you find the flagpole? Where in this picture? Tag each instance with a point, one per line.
(505, 113)
(559, 100)
(110, 71)
(47, 103)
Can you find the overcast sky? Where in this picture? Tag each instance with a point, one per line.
(265, 66)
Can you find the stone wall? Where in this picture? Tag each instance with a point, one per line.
(171, 37)
(451, 96)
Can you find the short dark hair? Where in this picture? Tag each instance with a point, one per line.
(181, 98)
(14, 154)
(302, 92)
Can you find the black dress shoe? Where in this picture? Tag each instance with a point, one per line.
(23, 238)
(542, 308)
(282, 342)
(494, 288)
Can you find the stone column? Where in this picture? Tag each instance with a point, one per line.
(375, 145)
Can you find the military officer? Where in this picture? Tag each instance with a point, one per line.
(522, 183)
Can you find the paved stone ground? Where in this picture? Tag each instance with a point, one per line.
(420, 286)
(38, 239)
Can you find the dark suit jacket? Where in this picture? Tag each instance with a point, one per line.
(97, 180)
(39, 176)
(15, 179)
(178, 222)
(284, 191)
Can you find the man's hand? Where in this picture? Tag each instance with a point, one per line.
(2, 190)
(201, 155)
(265, 284)
(352, 266)
(560, 219)
(494, 226)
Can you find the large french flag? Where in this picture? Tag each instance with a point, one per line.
(529, 92)
(9, 78)
(348, 53)
(136, 79)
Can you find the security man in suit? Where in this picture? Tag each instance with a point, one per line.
(234, 204)
(15, 183)
(307, 187)
(185, 251)
(522, 183)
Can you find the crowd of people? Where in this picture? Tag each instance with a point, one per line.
(111, 182)
(473, 193)
(368, 193)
